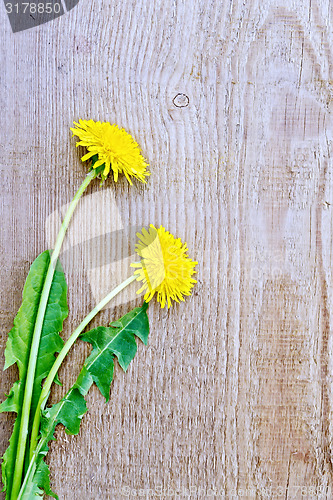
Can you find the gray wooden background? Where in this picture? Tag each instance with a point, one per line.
(231, 102)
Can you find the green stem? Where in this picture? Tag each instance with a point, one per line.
(30, 470)
(61, 356)
(36, 339)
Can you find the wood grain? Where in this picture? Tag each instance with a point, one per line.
(231, 102)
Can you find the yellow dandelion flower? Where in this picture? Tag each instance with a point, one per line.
(165, 267)
(111, 148)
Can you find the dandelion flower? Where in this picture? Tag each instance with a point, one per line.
(111, 148)
(165, 267)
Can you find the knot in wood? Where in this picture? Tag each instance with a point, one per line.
(181, 101)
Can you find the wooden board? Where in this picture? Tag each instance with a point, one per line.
(231, 102)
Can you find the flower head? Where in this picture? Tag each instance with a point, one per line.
(111, 148)
(165, 267)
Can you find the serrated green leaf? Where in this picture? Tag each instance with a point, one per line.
(68, 412)
(42, 478)
(13, 399)
(116, 340)
(19, 344)
(8, 459)
(32, 491)
(40, 484)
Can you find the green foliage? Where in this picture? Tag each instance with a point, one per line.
(42, 478)
(69, 412)
(19, 344)
(116, 340)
